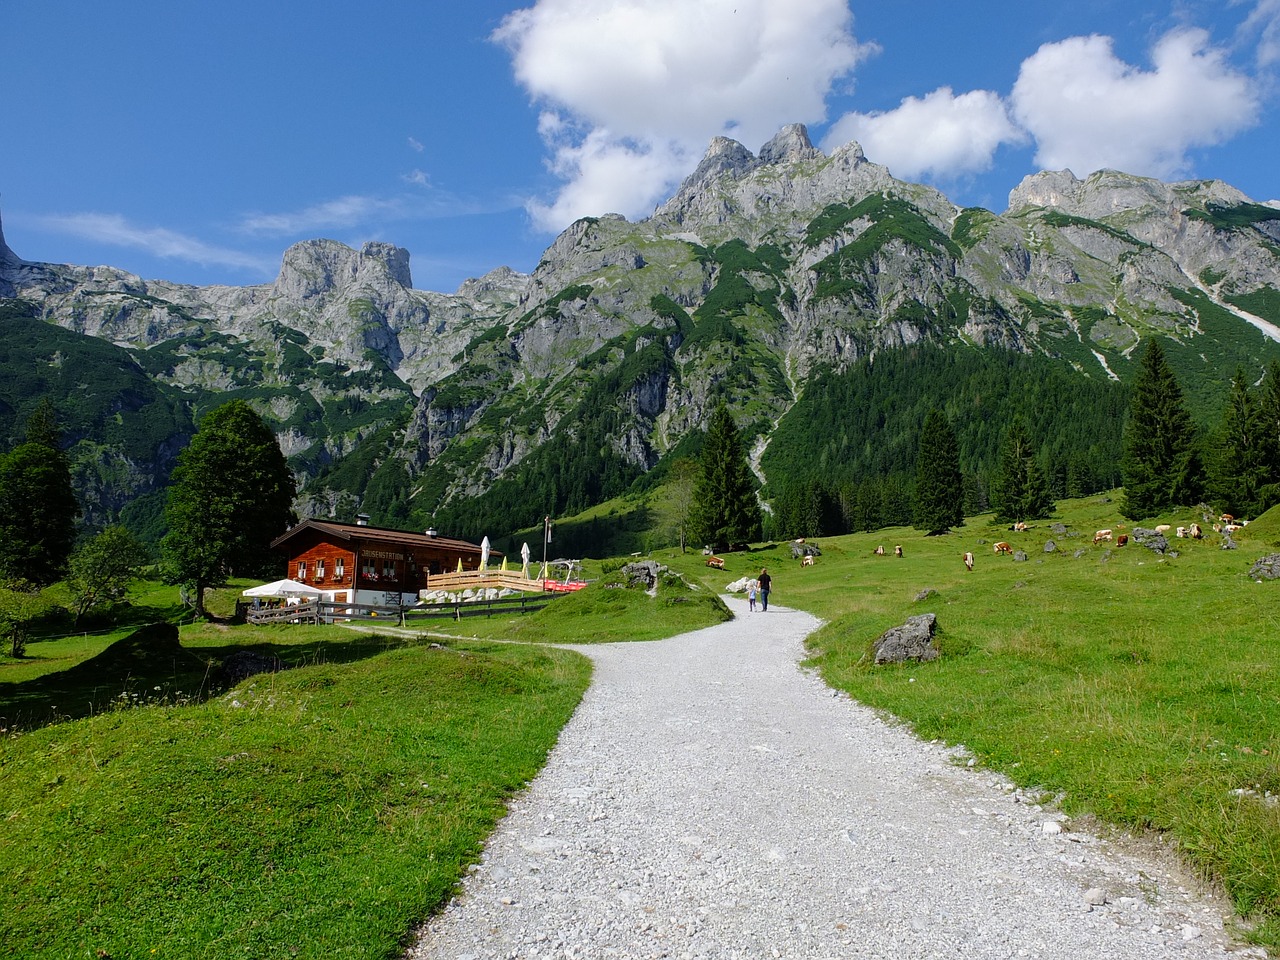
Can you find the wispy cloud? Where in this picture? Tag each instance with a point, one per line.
(1263, 23)
(416, 145)
(342, 213)
(417, 178)
(114, 229)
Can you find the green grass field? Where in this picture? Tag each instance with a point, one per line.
(317, 812)
(323, 810)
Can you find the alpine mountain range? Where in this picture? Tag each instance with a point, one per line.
(765, 275)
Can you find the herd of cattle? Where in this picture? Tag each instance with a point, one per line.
(1226, 524)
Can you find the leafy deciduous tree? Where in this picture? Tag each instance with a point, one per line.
(678, 502)
(101, 570)
(939, 489)
(232, 494)
(725, 510)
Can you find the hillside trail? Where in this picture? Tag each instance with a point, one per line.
(711, 798)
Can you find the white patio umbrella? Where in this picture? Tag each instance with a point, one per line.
(484, 554)
(524, 557)
(282, 588)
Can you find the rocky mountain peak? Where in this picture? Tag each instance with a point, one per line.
(316, 267)
(502, 282)
(790, 143)
(1049, 188)
(8, 260)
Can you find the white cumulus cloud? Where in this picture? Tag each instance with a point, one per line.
(635, 89)
(1087, 109)
(1263, 22)
(942, 134)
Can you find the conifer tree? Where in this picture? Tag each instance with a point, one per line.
(38, 507)
(725, 510)
(939, 489)
(1021, 490)
(1269, 427)
(1161, 466)
(1238, 463)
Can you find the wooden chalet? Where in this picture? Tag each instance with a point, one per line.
(357, 563)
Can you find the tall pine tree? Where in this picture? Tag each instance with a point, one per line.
(38, 508)
(1021, 490)
(939, 488)
(725, 510)
(1162, 466)
(1238, 468)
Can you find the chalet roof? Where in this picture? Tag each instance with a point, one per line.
(382, 535)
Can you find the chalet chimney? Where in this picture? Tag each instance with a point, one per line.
(362, 519)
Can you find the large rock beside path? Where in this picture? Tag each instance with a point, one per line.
(914, 640)
(1266, 568)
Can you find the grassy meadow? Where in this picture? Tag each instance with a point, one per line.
(325, 809)
(320, 811)
(1140, 689)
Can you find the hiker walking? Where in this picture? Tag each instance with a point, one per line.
(766, 583)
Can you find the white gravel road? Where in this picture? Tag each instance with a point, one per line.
(711, 799)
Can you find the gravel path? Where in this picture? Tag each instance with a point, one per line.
(710, 799)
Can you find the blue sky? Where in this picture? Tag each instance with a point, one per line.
(195, 143)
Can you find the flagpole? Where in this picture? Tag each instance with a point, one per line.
(546, 538)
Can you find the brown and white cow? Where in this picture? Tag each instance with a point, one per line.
(968, 561)
(1101, 535)
(1002, 547)
(1195, 532)
(897, 551)
(806, 560)
(879, 551)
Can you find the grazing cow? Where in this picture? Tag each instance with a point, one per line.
(1003, 547)
(807, 560)
(1163, 528)
(897, 551)
(1196, 532)
(1226, 518)
(1217, 528)
(879, 551)
(1019, 527)
(1101, 535)
(968, 561)
(1230, 528)
(1122, 540)
(1182, 532)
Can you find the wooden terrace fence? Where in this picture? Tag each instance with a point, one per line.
(324, 611)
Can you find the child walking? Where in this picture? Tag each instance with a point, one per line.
(751, 595)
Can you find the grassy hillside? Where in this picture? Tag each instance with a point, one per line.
(322, 810)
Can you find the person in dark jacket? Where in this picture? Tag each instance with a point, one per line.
(766, 584)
